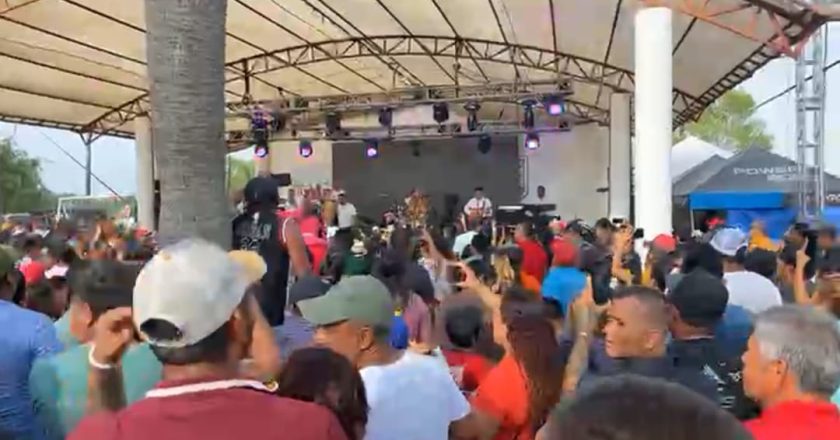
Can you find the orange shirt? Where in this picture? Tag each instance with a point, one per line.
(503, 395)
(530, 282)
(468, 369)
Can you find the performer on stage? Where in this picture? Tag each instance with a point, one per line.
(417, 209)
(479, 206)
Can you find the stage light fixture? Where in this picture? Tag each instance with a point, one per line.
(554, 105)
(532, 141)
(259, 128)
(440, 112)
(305, 148)
(261, 151)
(472, 115)
(332, 121)
(386, 116)
(371, 148)
(484, 144)
(528, 116)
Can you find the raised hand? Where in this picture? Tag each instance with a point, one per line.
(470, 280)
(112, 334)
(802, 258)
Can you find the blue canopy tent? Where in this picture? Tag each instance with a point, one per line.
(752, 185)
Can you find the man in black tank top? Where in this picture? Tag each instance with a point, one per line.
(277, 240)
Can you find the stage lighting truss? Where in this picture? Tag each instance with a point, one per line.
(238, 139)
(309, 117)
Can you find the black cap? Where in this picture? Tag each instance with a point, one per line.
(261, 190)
(307, 288)
(700, 297)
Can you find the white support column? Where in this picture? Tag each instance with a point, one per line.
(620, 157)
(145, 172)
(652, 153)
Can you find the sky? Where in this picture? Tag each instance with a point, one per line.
(114, 159)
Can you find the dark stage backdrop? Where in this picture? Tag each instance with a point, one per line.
(443, 166)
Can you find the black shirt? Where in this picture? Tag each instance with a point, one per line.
(708, 355)
(262, 232)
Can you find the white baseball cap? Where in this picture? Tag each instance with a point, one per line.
(728, 241)
(57, 271)
(193, 285)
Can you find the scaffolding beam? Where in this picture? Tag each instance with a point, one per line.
(810, 127)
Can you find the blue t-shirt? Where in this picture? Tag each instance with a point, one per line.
(25, 337)
(58, 385)
(564, 285)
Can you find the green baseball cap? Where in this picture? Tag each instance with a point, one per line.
(362, 299)
(8, 256)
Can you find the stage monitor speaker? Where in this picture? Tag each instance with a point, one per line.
(282, 179)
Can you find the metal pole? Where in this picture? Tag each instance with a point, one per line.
(810, 125)
(88, 167)
(819, 47)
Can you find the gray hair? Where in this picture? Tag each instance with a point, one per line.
(807, 340)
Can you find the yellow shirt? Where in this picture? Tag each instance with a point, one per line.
(759, 240)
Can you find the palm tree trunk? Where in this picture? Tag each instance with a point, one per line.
(185, 48)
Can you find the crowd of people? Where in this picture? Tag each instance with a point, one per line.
(310, 327)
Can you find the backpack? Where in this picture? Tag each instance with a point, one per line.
(399, 332)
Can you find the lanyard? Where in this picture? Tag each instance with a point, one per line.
(206, 386)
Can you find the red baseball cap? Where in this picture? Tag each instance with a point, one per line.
(664, 242)
(564, 252)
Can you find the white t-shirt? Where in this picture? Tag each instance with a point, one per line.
(751, 291)
(462, 241)
(414, 398)
(485, 206)
(346, 214)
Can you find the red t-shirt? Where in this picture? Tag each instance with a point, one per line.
(232, 413)
(468, 369)
(534, 259)
(797, 420)
(503, 395)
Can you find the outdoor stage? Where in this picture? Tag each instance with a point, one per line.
(80, 65)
